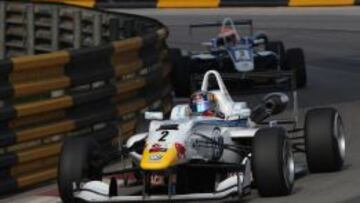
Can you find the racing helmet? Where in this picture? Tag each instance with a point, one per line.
(228, 36)
(203, 104)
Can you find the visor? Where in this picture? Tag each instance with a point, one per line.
(201, 106)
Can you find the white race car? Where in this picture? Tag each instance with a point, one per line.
(197, 155)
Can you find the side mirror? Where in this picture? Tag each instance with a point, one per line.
(206, 44)
(272, 104)
(276, 102)
(154, 115)
(261, 38)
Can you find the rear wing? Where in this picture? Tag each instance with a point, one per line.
(218, 24)
(225, 22)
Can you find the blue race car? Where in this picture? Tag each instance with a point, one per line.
(245, 60)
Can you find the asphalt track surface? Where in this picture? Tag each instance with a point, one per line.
(331, 40)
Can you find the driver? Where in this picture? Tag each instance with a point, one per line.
(204, 104)
(228, 37)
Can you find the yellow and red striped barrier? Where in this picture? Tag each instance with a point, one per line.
(72, 71)
(207, 3)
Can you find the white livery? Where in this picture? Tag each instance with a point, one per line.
(191, 157)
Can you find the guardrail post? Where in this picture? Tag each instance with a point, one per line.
(55, 28)
(30, 29)
(97, 29)
(77, 30)
(2, 30)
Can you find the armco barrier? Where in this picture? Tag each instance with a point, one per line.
(72, 71)
(207, 3)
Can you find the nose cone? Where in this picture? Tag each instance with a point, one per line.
(158, 159)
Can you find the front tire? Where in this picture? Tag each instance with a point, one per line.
(324, 140)
(273, 162)
(74, 166)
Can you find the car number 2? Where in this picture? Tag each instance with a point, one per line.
(164, 134)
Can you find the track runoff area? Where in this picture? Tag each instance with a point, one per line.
(330, 38)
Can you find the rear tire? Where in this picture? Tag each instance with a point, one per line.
(324, 140)
(180, 73)
(295, 61)
(273, 162)
(74, 166)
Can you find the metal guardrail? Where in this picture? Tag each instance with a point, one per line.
(110, 68)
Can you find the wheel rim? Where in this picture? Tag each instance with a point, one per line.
(288, 165)
(340, 136)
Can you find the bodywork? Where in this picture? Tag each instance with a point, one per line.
(184, 141)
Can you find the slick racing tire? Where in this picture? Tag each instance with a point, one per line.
(295, 61)
(324, 140)
(273, 162)
(279, 49)
(74, 166)
(180, 75)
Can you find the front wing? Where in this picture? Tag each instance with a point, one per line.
(236, 185)
(93, 196)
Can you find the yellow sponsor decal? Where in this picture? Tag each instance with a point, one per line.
(321, 2)
(158, 160)
(188, 3)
